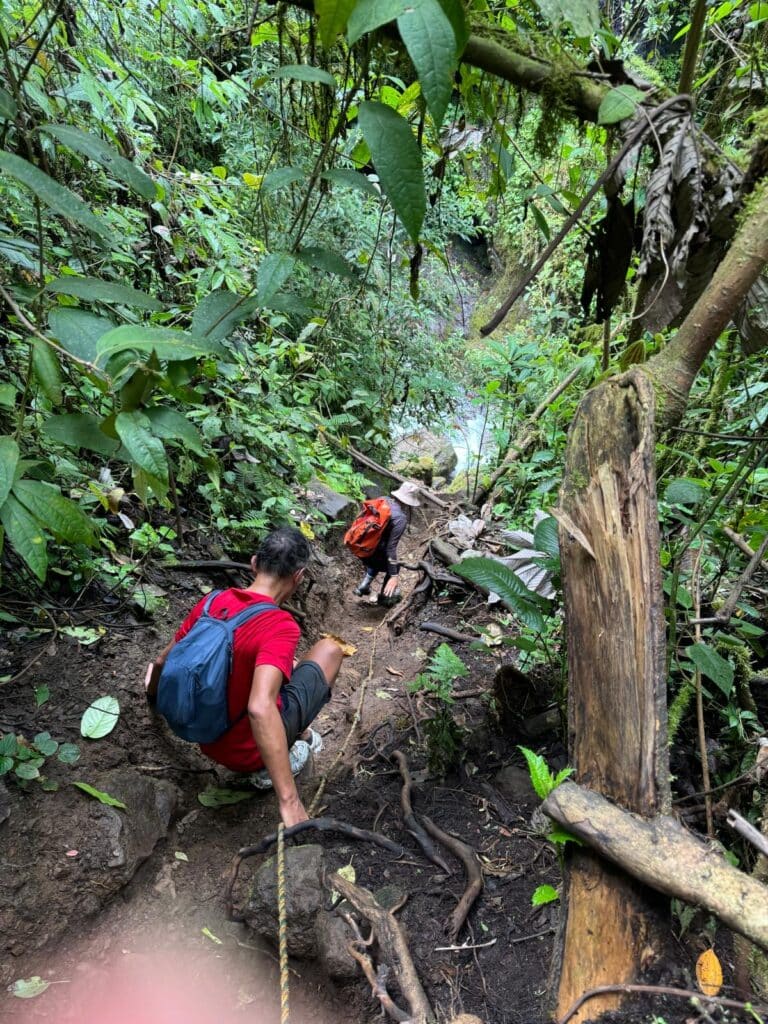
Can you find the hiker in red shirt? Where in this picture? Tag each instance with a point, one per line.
(271, 703)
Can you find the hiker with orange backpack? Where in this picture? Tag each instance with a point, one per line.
(374, 536)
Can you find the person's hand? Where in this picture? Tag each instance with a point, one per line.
(292, 811)
(391, 586)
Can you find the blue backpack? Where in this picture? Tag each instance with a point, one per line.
(192, 692)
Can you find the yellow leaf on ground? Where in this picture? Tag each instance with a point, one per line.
(709, 973)
(347, 649)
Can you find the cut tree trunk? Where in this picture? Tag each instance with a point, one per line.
(663, 854)
(609, 544)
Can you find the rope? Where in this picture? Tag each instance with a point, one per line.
(282, 925)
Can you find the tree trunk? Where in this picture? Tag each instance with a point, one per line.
(609, 543)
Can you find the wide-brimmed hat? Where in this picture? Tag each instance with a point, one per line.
(408, 494)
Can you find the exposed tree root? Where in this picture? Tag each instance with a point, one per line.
(662, 990)
(411, 823)
(377, 979)
(468, 858)
(316, 824)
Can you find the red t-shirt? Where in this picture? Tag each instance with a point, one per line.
(269, 638)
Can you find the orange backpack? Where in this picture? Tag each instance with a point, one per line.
(364, 535)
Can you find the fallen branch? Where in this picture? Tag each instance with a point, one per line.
(664, 855)
(395, 620)
(451, 634)
(661, 990)
(741, 544)
(392, 943)
(411, 823)
(468, 858)
(377, 981)
(748, 832)
(316, 824)
(725, 613)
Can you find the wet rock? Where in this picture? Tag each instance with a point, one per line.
(304, 899)
(514, 784)
(333, 934)
(423, 444)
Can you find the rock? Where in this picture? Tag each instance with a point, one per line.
(328, 501)
(133, 833)
(5, 804)
(333, 934)
(424, 444)
(514, 784)
(420, 467)
(305, 898)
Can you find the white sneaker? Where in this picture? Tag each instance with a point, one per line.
(315, 742)
(298, 756)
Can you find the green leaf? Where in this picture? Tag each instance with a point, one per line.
(538, 769)
(431, 45)
(9, 459)
(684, 492)
(372, 14)
(9, 745)
(45, 744)
(100, 795)
(544, 894)
(98, 151)
(446, 664)
(397, 159)
(69, 753)
(454, 12)
(712, 665)
(28, 988)
(93, 289)
(582, 15)
(327, 259)
(541, 221)
(545, 537)
(352, 179)
(274, 271)
(281, 177)
(166, 342)
(305, 73)
(100, 718)
(332, 17)
(6, 763)
(619, 104)
(169, 423)
(42, 694)
(80, 430)
(758, 12)
(560, 837)
(215, 796)
(498, 579)
(218, 313)
(562, 775)
(145, 450)
(27, 770)
(78, 331)
(8, 393)
(55, 196)
(8, 108)
(25, 535)
(47, 369)
(60, 515)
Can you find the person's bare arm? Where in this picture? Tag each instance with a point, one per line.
(269, 734)
(152, 677)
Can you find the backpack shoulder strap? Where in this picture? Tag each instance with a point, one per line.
(209, 601)
(250, 612)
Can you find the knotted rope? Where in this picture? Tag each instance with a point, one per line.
(282, 925)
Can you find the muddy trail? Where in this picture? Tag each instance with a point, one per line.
(122, 911)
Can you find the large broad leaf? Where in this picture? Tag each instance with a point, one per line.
(327, 259)
(93, 289)
(169, 423)
(712, 665)
(145, 449)
(332, 17)
(545, 536)
(47, 369)
(683, 491)
(109, 158)
(218, 313)
(496, 578)
(431, 44)
(281, 177)
(55, 196)
(397, 158)
(454, 12)
(8, 108)
(274, 271)
(582, 15)
(166, 342)
(80, 430)
(619, 104)
(25, 535)
(217, 796)
(100, 718)
(371, 14)
(9, 458)
(305, 73)
(60, 515)
(100, 795)
(78, 331)
(352, 179)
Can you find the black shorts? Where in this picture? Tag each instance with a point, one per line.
(303, 697)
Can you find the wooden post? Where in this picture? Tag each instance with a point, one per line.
(609, 544)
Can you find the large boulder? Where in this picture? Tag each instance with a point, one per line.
(423, 454)
(329, 502)
(304, 899)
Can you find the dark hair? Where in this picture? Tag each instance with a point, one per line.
(283, 552)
